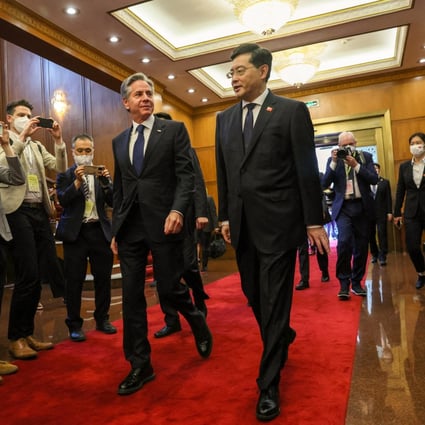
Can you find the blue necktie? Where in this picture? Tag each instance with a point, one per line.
(138, 150)
(248, 125)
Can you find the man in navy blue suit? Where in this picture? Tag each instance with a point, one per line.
(270, 200)
(85, 229)
(352, 172)
(153, 189)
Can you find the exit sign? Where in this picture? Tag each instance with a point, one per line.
(312, 103)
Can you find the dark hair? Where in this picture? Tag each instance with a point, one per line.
(418, 134)
(163, 115)
(125, 85)
(377, 165)
(82, 136)
(259, 55)
(10, 108)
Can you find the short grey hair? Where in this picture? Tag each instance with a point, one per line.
(125, 85)
(82, 136)
(346, 134)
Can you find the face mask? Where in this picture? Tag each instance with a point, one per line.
(20, 123)
(417, 150)
(83, 159)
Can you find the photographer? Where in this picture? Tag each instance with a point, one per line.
(352, 172)
(84, 190)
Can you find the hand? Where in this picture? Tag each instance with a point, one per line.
(114, 246)
(201, 222)
(173, 223)
(318, 237)
(5, 141)
(56, 132)
(225, 232)
(351, 161)
(398, 222)
(79, 173)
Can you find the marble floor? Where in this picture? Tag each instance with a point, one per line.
(388, 382)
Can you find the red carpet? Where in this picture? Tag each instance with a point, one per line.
(76, 383)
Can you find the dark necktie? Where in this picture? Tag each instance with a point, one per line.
(138, 150)
(248, 125)
(86, 189)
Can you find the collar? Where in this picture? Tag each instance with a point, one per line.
(147, 123)
(259, 100)
(415, 162)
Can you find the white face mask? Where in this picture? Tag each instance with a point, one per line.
(20, 123)
(83, 159)
(417, 150)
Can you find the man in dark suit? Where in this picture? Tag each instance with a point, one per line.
(84, 191)
(352, 173)
(153, 188)
(383, 204)
(269, 198)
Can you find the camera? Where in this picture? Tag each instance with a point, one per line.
(45, 122)
(343, 152)
(96, 170)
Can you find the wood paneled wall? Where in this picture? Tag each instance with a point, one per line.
(98, 110)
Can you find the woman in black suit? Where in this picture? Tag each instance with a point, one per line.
(411, 190)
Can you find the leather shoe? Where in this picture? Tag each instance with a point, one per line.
(21, 350)
(106, 327)
(38, 345)
(7, 368)
(268, 406)
(325, 277)
(167, 330)
(202, 307)
(302, 285)
(77, 335)
(203, 337)
(135, 380)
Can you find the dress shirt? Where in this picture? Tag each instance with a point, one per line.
(256, 110)
(418, 171)
(148, 124)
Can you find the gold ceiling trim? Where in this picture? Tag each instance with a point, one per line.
(145, 31)
(33, 24)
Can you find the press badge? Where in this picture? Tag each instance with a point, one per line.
(349, 189)
(88, 208)
(33, 185)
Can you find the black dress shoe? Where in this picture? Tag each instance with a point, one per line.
(106, 327)
(77, 335)
(325, 277)
(201, 306)
(302, 285)
(167, 330)
(135, 380)
(203, 337)
(268, 406)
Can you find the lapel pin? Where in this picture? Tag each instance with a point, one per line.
(269, 109)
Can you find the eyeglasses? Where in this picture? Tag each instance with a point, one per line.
(239, 71)
(82, 150)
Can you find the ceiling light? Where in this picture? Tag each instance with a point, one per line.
(72, 11)
(145, 60)
(204, 100)
(171, 77)
(421, 60)
(191, 91)
(114, 39)
(263, 17)
(297, 66)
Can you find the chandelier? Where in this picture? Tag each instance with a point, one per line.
(263, 17)
(297, 66)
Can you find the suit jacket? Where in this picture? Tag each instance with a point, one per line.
(73, 203)
(11, 175)
(198, 208)
(415, 197)
(383, 200)
(275, 184)
(166, 182)
(212, 215)
(13, 196)
(365, 177)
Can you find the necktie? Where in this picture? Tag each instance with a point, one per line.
(138, 150)
(248, 125)
(86, 189)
